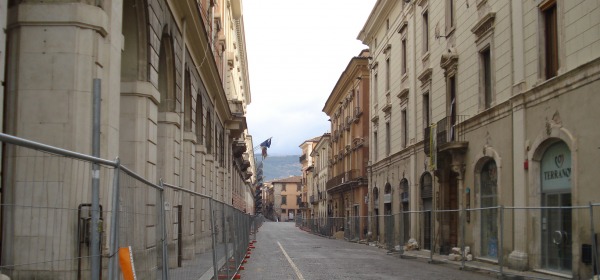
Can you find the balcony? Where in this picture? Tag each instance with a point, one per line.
(245, 162)
(352, 177)
(357, 113)
(236, 107)
(302, 158)
(239, 147)
(313, 200)
(237, 124)
(449, 135)
(303, 205)
(348, 122)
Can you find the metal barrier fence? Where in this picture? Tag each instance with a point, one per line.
(530, 242)
(170, 232)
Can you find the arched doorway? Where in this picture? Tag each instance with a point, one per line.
(387, 199)
(488, 200)
(427, 203)
(376, 212)
(555, 178)
(388, 218)
(405, 209)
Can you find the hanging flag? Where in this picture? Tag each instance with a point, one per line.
(264, 151)
(264, 145)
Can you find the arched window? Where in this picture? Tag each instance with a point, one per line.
(187, 113)
(405, 198)
(199, 119)
(209, 130)
(134, 60)
(166, 75)
(427, 204)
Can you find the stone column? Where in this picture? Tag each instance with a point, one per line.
(518, 258)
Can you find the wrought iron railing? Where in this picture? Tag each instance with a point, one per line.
(348, 176)
(302, 158)
(449, 129)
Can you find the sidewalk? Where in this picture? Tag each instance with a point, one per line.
(474, 265)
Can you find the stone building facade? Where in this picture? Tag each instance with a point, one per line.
(487, 104)
(174, 85)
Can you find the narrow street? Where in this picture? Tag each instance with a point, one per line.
(283, 251)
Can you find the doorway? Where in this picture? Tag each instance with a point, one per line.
(556, 227)
(450, 218)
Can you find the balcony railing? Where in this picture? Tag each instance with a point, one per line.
(302, 158)
(448, 130)
(303, 205)
(313, 200)
(349, 176)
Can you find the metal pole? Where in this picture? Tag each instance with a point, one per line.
(501, 241)
(96, 227)
(163, 221)
(402, 237)
(214, 238)
(462, 237)
(114, 224)
(225, 240)
(431, 243)
(594, 252)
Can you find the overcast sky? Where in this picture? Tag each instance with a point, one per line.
(296, 51)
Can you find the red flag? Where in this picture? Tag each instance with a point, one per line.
(264, 152)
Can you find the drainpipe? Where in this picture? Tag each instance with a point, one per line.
(96, 261)
(413, 162)
(182, 111)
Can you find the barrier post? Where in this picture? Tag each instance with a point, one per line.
(114, 224)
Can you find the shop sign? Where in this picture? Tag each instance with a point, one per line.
(556, 168)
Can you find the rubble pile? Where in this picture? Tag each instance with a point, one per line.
(458, 255)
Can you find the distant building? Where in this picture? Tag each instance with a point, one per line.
(287, 195)
(320, 199)
(307, 167)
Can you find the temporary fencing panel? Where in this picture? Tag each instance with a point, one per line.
(159, 231)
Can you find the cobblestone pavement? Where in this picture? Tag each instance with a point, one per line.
(285, 252)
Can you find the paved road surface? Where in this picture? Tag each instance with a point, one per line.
(283, 251)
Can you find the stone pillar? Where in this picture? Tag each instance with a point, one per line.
(518, 258)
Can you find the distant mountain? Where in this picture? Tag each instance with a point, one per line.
(277, 167)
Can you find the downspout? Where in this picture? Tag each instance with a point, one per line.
(413, 163)
(182, 112)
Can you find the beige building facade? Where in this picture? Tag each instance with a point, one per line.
(489, 104)
(287, 196)
(175, 89)
(307, 167)
(320, 199)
